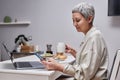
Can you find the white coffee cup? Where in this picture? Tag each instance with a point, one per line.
(61, 47)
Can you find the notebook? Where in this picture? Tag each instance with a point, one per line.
(23, 64)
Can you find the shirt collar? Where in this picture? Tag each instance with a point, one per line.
(92, 29)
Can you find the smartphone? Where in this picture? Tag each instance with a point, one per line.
(39, 56)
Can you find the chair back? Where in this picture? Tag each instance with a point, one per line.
(115, 66)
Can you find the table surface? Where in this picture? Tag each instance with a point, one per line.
(7, 70)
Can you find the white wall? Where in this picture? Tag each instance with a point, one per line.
(51, 22)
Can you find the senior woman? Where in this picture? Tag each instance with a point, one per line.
(92, 58)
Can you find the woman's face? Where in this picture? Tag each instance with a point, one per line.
(81, 24)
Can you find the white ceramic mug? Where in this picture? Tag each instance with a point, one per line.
(61, 47)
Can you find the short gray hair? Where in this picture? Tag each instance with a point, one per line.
(85, 9)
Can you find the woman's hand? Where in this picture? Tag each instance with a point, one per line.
(51, 64)
(70, 50)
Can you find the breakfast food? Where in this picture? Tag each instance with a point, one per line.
(47, 55)
(27, 49)
(60, 56)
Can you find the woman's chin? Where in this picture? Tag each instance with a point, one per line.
(78, 30)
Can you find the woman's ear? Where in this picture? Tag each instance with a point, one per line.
(90, 18)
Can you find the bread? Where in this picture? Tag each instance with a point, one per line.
(27, 49)
(60, 56)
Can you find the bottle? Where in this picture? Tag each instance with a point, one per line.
(49, 46)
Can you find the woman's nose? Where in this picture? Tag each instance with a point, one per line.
(74, 23)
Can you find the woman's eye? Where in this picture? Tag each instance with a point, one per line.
(77, 20)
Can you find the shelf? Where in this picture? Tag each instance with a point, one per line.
(15, 23)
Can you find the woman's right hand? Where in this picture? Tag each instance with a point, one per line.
(51, 64)
(70, 50)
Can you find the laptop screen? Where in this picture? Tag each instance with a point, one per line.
(8, 52)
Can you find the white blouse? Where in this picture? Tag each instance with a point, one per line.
(91, 59)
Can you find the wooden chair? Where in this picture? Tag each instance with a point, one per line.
(115, 67)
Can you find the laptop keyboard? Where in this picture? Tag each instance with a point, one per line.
(24, 64)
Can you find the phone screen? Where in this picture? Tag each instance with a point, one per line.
(39, 56)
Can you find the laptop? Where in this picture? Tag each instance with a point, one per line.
(23, 64)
